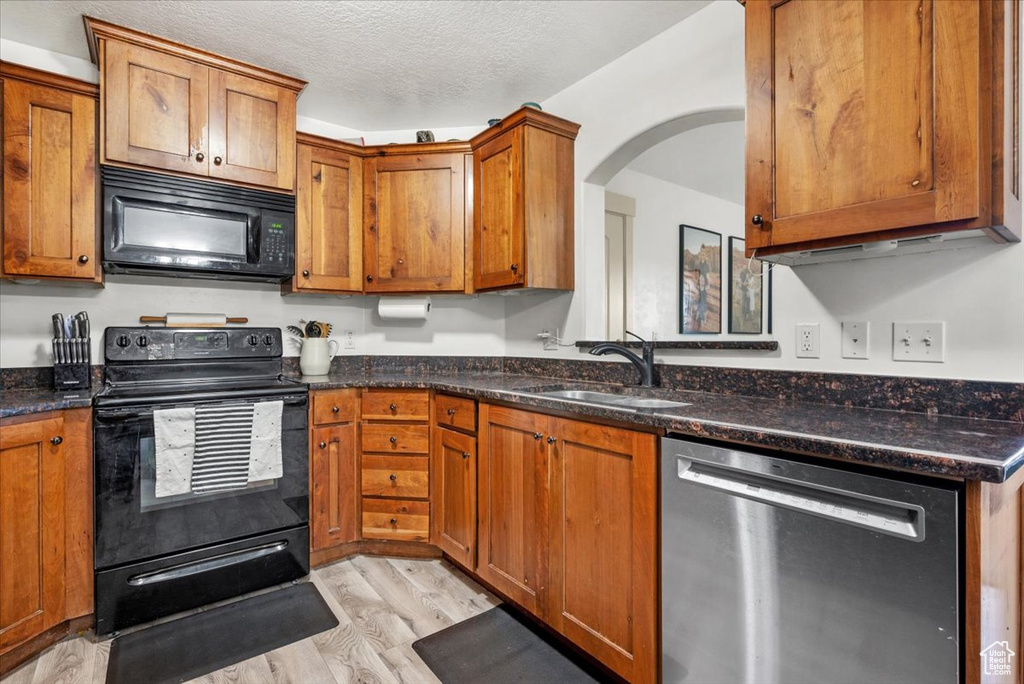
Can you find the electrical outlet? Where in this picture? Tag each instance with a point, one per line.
(919, 342)
(808, 336)
(348, 339)
(550, 339)
(855, 339)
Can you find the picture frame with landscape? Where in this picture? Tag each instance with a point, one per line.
(700, 281)
(746, 290)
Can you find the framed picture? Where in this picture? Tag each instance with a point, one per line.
(746, 290)
(700, 280)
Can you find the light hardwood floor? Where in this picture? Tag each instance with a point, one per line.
(382, 606)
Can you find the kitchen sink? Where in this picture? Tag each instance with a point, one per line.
(610, 399)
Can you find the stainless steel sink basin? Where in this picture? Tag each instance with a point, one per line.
(609, 399)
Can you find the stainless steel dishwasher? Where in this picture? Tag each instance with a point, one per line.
(779, 572)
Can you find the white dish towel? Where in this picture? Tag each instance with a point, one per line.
(265, 450)
(174, 435)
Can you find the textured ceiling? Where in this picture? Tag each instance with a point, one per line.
(381, 65)
(707, 159)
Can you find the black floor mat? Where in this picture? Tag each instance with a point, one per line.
(192, 646)
(500, 647)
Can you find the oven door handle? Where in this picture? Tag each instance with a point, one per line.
(117, 415)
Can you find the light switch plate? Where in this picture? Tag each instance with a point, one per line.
(919, 342)
(808, 336)
(855, 339)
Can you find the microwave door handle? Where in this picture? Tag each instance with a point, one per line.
(255, 236)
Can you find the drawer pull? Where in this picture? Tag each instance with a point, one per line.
(552, 439)
(83, 259)
(393, 477)
(466, 454)
(393, 408)
(394, 440)
(305, 274)
(218, 161)
(335, 409)
(323, 445)
(56, 441)
(394, 521)
(451, 412)
(200, 156)
(537, 436)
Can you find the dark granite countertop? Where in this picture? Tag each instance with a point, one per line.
(18, 402)
(971, 448)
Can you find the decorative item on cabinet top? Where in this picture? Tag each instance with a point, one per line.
(209, 115)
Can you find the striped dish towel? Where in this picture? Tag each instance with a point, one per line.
(223, 444)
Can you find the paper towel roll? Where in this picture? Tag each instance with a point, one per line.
(403, 308)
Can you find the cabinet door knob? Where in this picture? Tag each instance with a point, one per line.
(394, 439)
(537, 436)
(218, 161)
(451, 412)
(200, 156)
(466, 454)
(369, 278)
(552, 439)
(514, 267)
(757, 219)
(56, 440)
(335, 409)
(323, 445)
(393, 477)
(394, 521)
(393, 407)
(84, 259)
(305, 274)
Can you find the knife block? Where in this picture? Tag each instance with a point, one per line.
(73, 375)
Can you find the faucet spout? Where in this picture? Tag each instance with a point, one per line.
(645, 364)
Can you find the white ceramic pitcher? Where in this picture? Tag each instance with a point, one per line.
(316, 355)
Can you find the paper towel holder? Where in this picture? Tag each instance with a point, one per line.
(404, 308)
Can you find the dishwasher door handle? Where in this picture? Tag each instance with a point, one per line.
(885, 516)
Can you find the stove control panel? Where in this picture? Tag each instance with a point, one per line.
(169, 344)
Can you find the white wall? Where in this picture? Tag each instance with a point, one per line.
(978, 291)
(457, 325)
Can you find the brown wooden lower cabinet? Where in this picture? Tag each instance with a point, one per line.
(454, 457)
(512, 509)
(603, 544)
(333, 475)
(45, 525)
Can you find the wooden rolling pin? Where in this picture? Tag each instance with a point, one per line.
(192, 320)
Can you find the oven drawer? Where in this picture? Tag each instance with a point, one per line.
(334, 406)
(402, 477)
(396, 404)
(395, 438)
(396, 519)
(130, 594)
(455, 412)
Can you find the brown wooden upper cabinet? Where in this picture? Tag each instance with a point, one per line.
(523, 174)
(49, 180)
(169, 107)
(328, 217)
(415, 217)
(871, 121)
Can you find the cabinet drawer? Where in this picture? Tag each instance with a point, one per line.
(396, 519)
(395, 438)
(399, 477)
(335, 406)
(396, 404)
(455, 412)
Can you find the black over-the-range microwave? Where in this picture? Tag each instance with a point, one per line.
(165, 225)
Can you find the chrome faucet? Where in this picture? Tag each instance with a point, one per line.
(645, 365)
